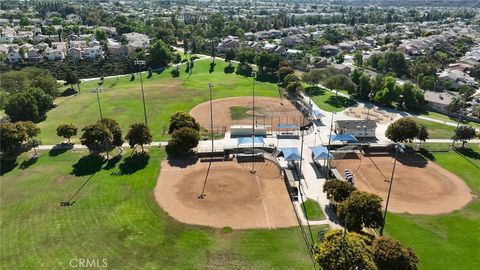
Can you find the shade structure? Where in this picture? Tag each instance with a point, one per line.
(250, 140)
(321, 152)
(291, 154)
(287, 126)
(343, 138)
(317, 113)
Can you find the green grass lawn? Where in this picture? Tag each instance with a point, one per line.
(447, 241)
(121, 99)
(312, 210)
(115, 217)
(437, 130)
(446, 118)
(327, 101)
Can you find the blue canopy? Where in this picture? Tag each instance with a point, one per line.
(291, 153)
(287, 126)
(321, 152)
(317, 113)
(344, 138)
(249, 140)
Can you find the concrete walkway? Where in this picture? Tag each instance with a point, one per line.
(81, 146)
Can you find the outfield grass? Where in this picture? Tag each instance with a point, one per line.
(327, 101)
(115, 217)
(312, 210)
(121, 99)
(437, 130)
(447, 241)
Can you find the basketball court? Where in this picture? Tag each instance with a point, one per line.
(233, 196)
(419, 186)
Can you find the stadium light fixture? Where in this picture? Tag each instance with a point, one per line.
(140, 64)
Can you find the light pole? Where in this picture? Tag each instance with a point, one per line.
(370, 95)
(460, 114)
(253, 123)
(330, 139)
(210, 86)
(398, 147)
(98, 100)
(141, 63)
(349, 178)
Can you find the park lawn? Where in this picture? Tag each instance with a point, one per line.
(121, 99)
(443, 117)
(116, 217)
(312, 210)
(447, 241)
(327, 101)
(437, 130)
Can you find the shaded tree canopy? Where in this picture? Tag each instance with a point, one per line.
(182, 119)
(389, 254)
(402, 130)
(365, 210)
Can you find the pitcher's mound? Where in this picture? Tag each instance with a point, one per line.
(233, 197)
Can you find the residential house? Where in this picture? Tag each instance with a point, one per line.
(53, 54)
(329, 50)
(137, 40)
(34, 55)
(16, 55)
(343, 69)
(294, 55)
(120, 50)
(93, 53)
(228, 43)
(75, 53)
(358, 128)
(456, 78)
(438, 101)
(294, 39)
(347, 46)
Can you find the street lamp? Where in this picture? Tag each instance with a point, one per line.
(330, 137)
(254, 74)
(460, 114)
(370, 95)
(96, 90)
(141, 63)
(398, 147)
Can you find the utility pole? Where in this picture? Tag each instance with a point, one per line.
(141, 63)
(460, 114)
(349, 178)
(401, 148)
(370, 95)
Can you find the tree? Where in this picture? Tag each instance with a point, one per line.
(358, 58)
(216, 25)
(464, 134)
(22, 106)
(334, 254)
(422, 134)
(139, 134)
(183, 140)
(71, 78)
(12, 136)
(246, 56)
(290, 78)
(337, 190)
(294, 87)
(30, 129)
(67, 131)
(364, 210)
(364, 87)
(181, 119)
(387, 94)
(389, 254)
(284, 72)
(114, 127)
(339, 58)
(25, 21)
(229, 55)
(96, 137)
(402, 130)
(340, 82)
(160, 54)
(101, 35)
